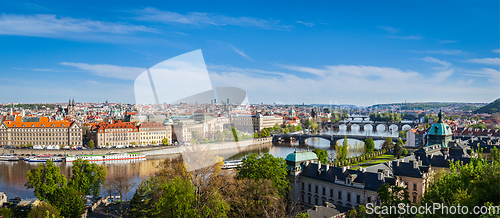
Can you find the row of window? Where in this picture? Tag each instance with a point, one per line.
(339, 194)
(42, 130)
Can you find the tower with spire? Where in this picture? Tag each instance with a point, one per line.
(71, 110)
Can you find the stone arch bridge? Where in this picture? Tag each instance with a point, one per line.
(335, 126)
(332, 138)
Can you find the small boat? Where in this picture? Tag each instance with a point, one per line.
(44, 158)
(8, 157)
(107, 157)
(231, 164)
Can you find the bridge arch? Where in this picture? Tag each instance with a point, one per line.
(406, 127)
(393, 127)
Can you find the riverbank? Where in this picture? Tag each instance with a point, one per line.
(149, 151)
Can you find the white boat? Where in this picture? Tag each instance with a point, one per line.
(44, 158)
(231, 164)
(107, 157)
(8, 157)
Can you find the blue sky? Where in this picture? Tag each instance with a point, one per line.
(356, 52)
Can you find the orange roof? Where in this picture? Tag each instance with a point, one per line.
(44, 122)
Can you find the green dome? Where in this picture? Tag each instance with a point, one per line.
(440, 128)
(299, 156)
(292, 111)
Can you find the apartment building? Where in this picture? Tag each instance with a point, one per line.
(114, 134)
(154, 133)
(255, 123)
(41, 131)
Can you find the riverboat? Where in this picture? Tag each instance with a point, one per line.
(231, 164)
(8, 157)
(44, 158)
(107, 157)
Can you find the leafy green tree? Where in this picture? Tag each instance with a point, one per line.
(91, 144)
(405, 152)
(392, 196)
(302, 215)
(345, 146)
(215, 205)
(235, 135)
(388, 144)
(220, 136)
(45, 179)
(369, 145)
(196, 135)
(87, 177)
(68, 201)
(472, 184)
(265, 167)
(177, 199)
(398, 149)
(322, 155)
(44, 210)
(6, 213)
(314, 125)
(142, 204)
(165, 142)
(256, 135)
(402, 134)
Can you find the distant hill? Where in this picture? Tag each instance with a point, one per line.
(491, 108)
(431, 106)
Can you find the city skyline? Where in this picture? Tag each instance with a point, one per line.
(334, 53)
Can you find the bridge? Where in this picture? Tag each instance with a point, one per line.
(332, 138)
(335, 126)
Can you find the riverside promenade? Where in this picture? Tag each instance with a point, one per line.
(149, 151)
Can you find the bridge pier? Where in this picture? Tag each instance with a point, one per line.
(348, 126)
(361, 127)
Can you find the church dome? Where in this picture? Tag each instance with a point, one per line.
(440, 128)
(292, 111)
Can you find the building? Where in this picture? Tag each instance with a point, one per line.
(315, 184)
(154, 133)
(3, 199)
(40, 131)
(415, 137)
(206, 127)
(255, 123)
(115, 134)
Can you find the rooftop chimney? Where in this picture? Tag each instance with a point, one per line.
(343, 169)
(315, 207)
(380, 176)
(326, 204)
(319, 165)
(327, 168)
(415, 164)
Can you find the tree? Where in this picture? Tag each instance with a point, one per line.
(91, 144)
(398, 149)
(369, 146)
(165, 142)
(220, 136)
(107, 144)
(388, 144)
(87, 177)
(405, 152)
(147, 193)
(123, 185)
(402, 134)
(45, 179)
(71, 205)
(393, 196)
(6, 213)
(302, 215)
(322, 155)
(265, 167)
(44, 210)
(235, 135)
(177, 199)
(345, 146)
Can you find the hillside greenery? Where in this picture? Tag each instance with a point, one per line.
(491, 108)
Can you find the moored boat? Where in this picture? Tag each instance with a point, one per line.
(231, 164)
(8, 157)
(107, 157)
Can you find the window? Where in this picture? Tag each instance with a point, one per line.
(302, 187)
(414, 186)
(414, 199)
(316, 189)
(316, 201)
(309, 188)
(348, 196)
(323, 190)
(358, 199)
(331, 192)
(340, 195)
(302, 197)
(309, 199)
(369, 199)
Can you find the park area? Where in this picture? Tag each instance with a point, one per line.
(377, 160)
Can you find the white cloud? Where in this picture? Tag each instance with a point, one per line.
(443, 52)
(356, 84)
(240, 52)
(48, 25)
(496, 50)
(494, 75)
(435, 60)
(490, 61)
(196, 18)
(411, 37)
(107, 70)
(307, 24)
(389, 29)
(448, 41)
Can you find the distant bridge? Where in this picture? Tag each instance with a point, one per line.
(332, 138)
(363, 125)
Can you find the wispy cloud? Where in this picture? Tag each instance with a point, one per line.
(435, 60)
(49, 25)
(494, 75)
(196, 18)
(389, 29)
(496, 50)
(240, 52)
(443, 52)
(107, 70)
(490, 61)
(448, 41)
(411, 37)
(307, 24)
